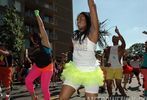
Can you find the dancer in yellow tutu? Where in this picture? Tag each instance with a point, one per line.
(84, 69)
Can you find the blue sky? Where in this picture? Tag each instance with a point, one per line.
(129, 15)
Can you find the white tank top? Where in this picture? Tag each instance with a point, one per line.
(113, 57)
(84, 55)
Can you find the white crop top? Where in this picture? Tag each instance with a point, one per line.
(84, 55)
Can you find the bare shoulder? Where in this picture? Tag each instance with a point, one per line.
(121, 48)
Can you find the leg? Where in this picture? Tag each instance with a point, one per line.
(91, 92)
(7, 81)
(66, 92)
(136, 72)
(45, 82)
(109, 80)
(53, 79)
(109, 87)
(33, 74)
(118, 84)
(114, 85)
(138, 79)
(131, 76)
(126, 78)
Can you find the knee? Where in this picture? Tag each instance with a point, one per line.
(118, 85)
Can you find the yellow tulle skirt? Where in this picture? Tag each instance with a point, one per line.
(72, 74)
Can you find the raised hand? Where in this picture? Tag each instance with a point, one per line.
(145, 32)
(123, 45)
(94, 32)
(36, 12)
(116, 30)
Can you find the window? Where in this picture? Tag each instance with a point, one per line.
(53, 35)
(46, 19)
(29, 13)
(3, 2)
(17, 6)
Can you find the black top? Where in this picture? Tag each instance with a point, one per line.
(42, 56)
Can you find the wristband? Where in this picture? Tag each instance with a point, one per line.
(36, 12)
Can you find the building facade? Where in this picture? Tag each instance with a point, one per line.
(57, 16)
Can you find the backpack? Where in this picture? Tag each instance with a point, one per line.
(40, 57)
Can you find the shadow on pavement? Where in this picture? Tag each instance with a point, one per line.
(134, 88)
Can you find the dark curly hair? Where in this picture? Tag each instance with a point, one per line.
(77, 34)
(80, 36)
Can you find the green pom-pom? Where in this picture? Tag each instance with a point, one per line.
(36, 12)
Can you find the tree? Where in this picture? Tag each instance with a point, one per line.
(103, 32)
(12, 31)
(136, 49)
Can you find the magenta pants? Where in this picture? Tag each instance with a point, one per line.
(34, 73)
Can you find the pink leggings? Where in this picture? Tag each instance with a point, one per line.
(45, 81)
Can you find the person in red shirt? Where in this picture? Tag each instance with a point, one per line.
(6, 69)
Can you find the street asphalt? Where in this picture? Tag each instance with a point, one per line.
(19, 92)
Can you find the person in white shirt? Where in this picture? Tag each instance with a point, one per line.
(113, 55)
(84, 69)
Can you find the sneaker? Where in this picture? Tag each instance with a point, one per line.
(7, 97)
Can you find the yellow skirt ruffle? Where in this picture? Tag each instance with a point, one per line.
(72, 74)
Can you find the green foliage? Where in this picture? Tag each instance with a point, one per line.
(136, 49)
(12, 31)
(103, 32)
